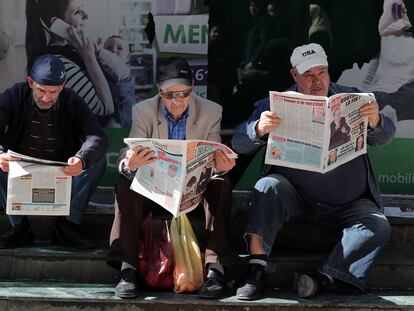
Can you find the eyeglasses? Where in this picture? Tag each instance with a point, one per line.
(173, 95)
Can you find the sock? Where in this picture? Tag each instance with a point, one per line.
(218, 267)
(258, 259)
(126, 265)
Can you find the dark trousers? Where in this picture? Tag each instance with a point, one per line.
(130, 210)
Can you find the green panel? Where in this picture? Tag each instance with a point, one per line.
(394, 166)
(251, 174)
(116, 142)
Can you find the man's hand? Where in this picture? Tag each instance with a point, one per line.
(74, 168)
(4, 161)
(371, 111)
(223, 163)
(267, 123)
(139, 156)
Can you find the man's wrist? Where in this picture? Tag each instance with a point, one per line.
(82, 160)
(379, 125)
(124, 170)
(256, 129)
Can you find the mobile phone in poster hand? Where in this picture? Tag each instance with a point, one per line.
(60, 27)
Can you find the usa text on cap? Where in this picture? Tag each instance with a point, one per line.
(307, 56)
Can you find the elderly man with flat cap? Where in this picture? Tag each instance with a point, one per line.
(41, 118)
(175, 113)
(345, 200)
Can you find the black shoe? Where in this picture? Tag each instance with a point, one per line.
(311, 284)
(253, 284)
(314, 283)
(127, 285)
(214, 287)
(68, 233)
(19, 235)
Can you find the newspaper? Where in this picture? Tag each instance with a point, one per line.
(179, 176)
(317, 133)
(26, 158)
(37, 187)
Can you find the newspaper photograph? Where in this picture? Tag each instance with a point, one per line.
(179, 176)
(317, 133)
(37, 189)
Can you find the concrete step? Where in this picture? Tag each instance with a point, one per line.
(98, 219)
(100, 297)
(394, 269)
(54, 263)
(291, 238)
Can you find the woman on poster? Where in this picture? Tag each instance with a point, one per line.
(73, 47)
(393, 81)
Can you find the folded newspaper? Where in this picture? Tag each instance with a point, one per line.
(179, 176)
(37, 187)
(317, 133)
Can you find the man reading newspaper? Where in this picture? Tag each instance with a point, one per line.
(43, 119)
(315, 127)
(175, 113)
(344, 200)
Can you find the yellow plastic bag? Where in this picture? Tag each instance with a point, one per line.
(188, 270)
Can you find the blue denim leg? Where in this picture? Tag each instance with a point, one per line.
(82, 188)
(273, 201)
(365, 232)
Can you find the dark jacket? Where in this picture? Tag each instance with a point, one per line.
(77, 129)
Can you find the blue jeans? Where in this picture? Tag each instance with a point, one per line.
(82, 188)
(365, 230)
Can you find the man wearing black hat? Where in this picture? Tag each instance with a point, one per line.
(41, 118)
(175, 113)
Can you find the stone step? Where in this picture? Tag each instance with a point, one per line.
(394, 269)
(291, 237)
(30, 296)
(54, 263)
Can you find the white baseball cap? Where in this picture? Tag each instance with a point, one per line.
(307, 56)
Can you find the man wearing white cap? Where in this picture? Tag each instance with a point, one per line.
(345, 200)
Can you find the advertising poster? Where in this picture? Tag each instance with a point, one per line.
(112, 57)
(369, 45)
(390, 76)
